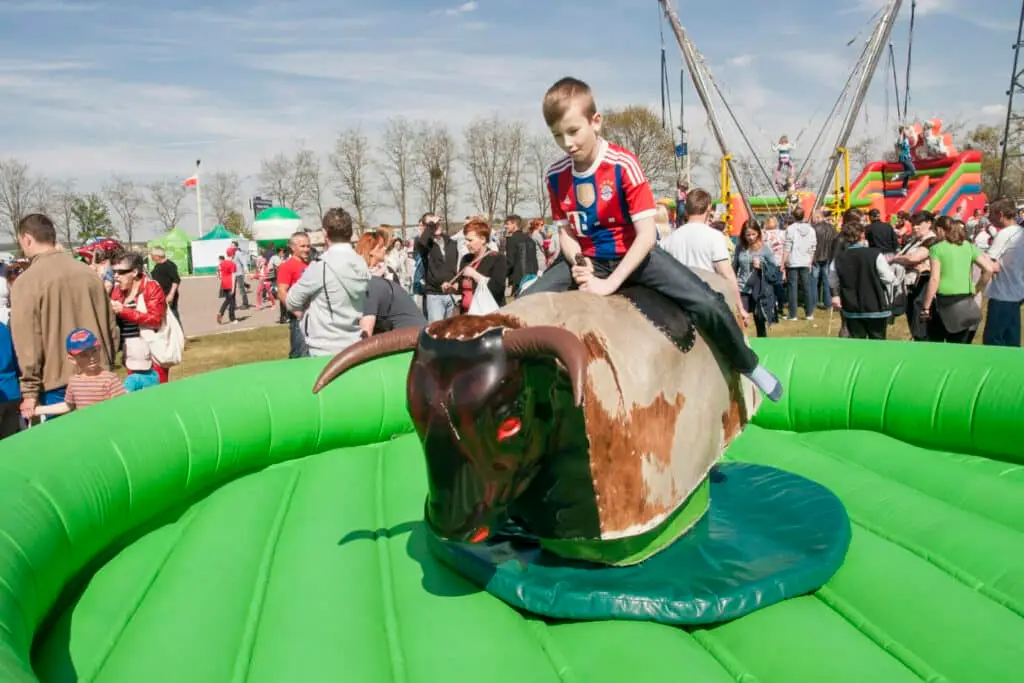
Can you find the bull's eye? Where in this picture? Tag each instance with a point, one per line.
(508, 428)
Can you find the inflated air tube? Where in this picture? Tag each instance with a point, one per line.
(234, 526)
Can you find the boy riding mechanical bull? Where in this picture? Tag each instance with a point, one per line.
(591, 423)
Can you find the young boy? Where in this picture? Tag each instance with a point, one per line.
(604, 208)
(139, 363)
(91, 384)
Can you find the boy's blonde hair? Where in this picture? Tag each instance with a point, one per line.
(562, 95)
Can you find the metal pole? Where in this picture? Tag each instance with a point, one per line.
(1014, 86)
(877, 42)
(910, 49)
(199, 201)
(691, 57)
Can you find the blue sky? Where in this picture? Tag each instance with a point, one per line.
(143, 89)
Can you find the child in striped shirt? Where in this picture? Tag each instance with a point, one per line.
(91, 384)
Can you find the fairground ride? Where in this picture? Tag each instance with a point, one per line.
(736, 188)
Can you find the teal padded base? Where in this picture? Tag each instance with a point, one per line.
(770, 535)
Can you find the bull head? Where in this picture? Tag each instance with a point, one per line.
(476, 414)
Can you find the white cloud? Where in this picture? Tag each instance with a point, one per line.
(464, 8)
(740, 61)
(41, 6)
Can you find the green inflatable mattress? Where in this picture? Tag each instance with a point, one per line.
(236, 527)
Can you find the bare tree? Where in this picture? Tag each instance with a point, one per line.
(287, 180)
(434, 167)
(397, 164)
(540, 153)
(223, 192)
(513, 163)
(485, 160)
(21, 193)
(863, 152)
(351, 161)
(62, 202)
(165, 199)
(309, 174)
(126, 201)
(639, 130)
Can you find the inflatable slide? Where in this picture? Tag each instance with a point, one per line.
(269, 534)
(939, 185)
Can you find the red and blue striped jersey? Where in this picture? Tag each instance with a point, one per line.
(599, 206)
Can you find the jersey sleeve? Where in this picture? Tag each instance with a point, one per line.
(639, 196)
(558, 216)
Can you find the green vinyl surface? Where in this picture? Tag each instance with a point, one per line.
(239, 528)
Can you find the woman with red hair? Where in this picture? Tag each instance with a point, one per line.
(388, 305)
(479, 267)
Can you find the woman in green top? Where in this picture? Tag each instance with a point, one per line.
(951, 286)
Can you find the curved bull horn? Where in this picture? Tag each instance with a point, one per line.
(552, 341)
(380, 345)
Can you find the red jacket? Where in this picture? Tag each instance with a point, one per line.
(156, 304)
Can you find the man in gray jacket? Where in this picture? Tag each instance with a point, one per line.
(331, 292)
(798, 257)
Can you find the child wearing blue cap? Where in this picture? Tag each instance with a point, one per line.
(91, 383)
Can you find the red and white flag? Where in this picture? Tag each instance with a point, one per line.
(192, 182)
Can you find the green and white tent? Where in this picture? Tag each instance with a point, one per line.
(207, 249)
(175, 243)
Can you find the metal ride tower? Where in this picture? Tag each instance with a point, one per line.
(1013, 133)
(872, 53)
(863, 73)
(700, 84)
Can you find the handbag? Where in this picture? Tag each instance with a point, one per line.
(167, 343)
(958, 313)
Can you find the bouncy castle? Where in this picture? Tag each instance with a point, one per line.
(945, 179)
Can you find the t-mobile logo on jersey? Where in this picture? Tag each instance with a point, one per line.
(578, 221)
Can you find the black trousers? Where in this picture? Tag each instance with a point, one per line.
(228, 304)
(664, 274)
(866, 328)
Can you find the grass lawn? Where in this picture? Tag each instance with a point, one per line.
(271, 343)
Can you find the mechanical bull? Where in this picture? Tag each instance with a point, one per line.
(587, 423)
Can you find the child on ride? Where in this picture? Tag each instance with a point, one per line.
(785, 151)
(604, 209)
(905, 159)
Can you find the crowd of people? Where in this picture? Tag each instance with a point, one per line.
(69, 321)
(934, 270)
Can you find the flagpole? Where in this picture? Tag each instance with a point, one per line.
(199, 203)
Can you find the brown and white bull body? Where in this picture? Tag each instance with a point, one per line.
(657, 414)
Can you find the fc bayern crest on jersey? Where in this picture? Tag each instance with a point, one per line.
(607, 190)
(585, 195)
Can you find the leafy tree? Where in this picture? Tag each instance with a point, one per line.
(639, 130)
(987, 140)
(92, 217)
(235, 224)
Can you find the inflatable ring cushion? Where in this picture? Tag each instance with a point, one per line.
(767, 536)
(267, 534)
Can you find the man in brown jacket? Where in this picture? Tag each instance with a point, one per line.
(55, 295)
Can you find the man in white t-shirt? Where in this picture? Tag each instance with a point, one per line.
(1006, 293)
(696, 244)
